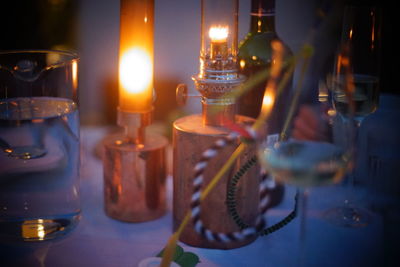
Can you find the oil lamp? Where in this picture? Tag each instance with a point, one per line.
(193, 134)
(135, 161)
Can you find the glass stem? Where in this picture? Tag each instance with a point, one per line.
(303, 204)
(351, 179)
(349, 191)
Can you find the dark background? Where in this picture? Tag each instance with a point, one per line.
(91, 28)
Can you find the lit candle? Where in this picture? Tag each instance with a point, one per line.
(136, 55)
(268, 101)
(219, 45)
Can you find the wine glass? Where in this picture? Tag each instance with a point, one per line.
(356, 72)
(308, 163)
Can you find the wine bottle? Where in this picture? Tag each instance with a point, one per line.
(255, 54)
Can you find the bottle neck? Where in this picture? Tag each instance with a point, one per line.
(259, 24)
(262, 16)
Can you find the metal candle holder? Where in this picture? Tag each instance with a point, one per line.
(135, 161)
(194, 134)
(135, 170)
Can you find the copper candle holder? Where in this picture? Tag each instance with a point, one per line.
(135, 161)
(135, 170)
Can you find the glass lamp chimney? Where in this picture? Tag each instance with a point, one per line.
(218, 73)
(219, 38)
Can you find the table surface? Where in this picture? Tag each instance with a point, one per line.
(101, 241)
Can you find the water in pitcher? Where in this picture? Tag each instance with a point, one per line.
(39, 168)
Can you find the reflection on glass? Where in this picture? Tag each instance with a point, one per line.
(356, 72)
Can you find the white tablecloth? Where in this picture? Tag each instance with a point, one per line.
(101, 241)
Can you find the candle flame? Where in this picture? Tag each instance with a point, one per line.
(218, 33)
(268, 101)
(75, 74)
(135, 70)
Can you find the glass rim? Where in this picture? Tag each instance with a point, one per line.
(70, 56)
(74, 55)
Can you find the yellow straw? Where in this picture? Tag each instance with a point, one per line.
(170, 248)
(171, 245)
(306, 51)
(223, 170)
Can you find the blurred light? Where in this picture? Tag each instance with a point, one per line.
(268, 101)
(40, 232)
(218, 33)
(331, 112)
(242, 63)
(135, 70)
(74, 74)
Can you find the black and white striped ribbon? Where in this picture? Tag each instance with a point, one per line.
(195, 201)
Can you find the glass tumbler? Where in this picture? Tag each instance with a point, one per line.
(39, 145)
